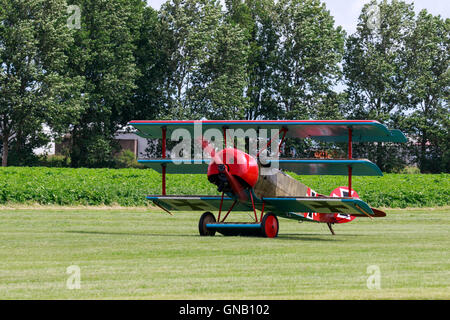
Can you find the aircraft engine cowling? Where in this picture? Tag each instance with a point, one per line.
(239, 164)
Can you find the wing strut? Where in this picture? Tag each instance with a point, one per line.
(220, 207)
(164, 131)
(284, 130)
(231, 208)
(350, 156)
(253, 205)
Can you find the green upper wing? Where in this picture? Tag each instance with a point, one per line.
(322, 130)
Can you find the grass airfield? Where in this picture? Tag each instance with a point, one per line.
(141, 253)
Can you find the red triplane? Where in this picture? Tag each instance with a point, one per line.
(255, 183)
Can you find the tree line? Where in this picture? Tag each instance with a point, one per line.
(87, 67)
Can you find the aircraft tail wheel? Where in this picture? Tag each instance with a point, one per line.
(269, 225)
(206, 218)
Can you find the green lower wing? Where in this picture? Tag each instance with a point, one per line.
(281, 206)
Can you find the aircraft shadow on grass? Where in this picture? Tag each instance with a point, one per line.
(130, 234)
(291, 236)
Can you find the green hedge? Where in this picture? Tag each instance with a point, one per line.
(391, 190)
(128, 187)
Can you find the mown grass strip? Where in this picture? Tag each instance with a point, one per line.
(133, 254)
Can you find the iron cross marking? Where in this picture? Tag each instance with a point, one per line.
(331, 207)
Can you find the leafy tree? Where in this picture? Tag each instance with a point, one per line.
(35, 87)
(310, 49)
(219, 85)
(397, 73)
(427, 117)
(152, 60)
(375, 74)
(207, 74)
(257, 19)
(104, 55)
(188, 26)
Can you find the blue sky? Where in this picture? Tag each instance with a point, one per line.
(346, 12)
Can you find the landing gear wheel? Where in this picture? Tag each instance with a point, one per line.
(269, 226)
(206, 218)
